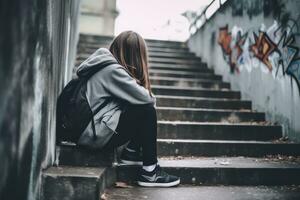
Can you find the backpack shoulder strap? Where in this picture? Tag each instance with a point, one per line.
(106, 101)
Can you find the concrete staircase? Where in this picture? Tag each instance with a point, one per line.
(207, 135)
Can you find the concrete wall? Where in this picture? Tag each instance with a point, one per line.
(38, 42)
(255, 46)
(98, 17)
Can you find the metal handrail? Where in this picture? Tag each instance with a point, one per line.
(200, 20)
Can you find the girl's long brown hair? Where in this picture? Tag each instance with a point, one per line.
(130, 50)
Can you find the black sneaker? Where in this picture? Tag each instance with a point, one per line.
(157, 178)
(131, 157)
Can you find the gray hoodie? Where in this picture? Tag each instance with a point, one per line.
(114, 83)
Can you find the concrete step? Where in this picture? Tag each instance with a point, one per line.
(181, 147)
(187, 55)
(92, 46)
(91, 38)
(183, 74)
(166, 42)
(201, 67)
(72, 155)
(154, 57)
(151, 47)
(160, 44)
(199, 102)
(176, 62)
(83, 47)
(177, 70)
(217, 131)
(181, 69)
(168, 49)
(162, 55)
(195, 92)
(181, 82)
(174, 69)
(149, 42)
(207, 115)
(97, 38)
(191, 192)
(224, 171)
(195, 62)
(76, 183)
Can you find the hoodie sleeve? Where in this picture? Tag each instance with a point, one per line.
(120, 84)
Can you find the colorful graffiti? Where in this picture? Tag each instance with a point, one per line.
(276, 48)
(232, 46)
(225, 41)
(294, 70)
(263, 48)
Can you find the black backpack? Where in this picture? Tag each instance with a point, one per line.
(73, 112)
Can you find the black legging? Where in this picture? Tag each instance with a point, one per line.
(137, 124)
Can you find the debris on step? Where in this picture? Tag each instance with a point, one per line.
(282, 140)
(245, 110)
(233, 118)
(224, 162)
(104, 197)
(180, 157)
(265, 123)
(122, 185)
(280, 158)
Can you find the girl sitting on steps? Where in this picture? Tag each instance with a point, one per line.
(129, 111)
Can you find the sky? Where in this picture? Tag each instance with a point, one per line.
(159, 19)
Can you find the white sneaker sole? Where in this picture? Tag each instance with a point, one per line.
(147, 184)
(129, 162)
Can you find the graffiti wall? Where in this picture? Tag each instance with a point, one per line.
(255, 46)
(276, 47)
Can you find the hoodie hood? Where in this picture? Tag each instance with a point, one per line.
(97, 61)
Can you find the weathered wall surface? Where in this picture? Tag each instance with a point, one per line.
(38, 43)
(255, 46)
